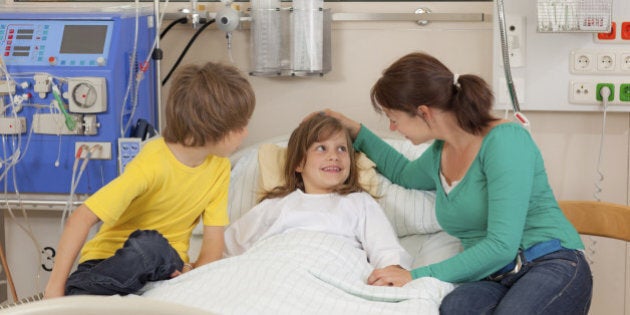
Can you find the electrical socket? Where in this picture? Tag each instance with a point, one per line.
(582, 62)
(624, 62)
(582, 93)
(599, 87)
(624, 92)
(625, 30)
(104, 153)
(610, 35)
(606, 62)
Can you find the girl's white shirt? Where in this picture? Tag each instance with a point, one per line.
(356, 217)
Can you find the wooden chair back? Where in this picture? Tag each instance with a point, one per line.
(598, 218)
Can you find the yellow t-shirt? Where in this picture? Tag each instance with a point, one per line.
(157, 192)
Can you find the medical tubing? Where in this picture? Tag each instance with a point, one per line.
(76, 177)
(183, 20)
(605, 93)
(132, 67)
(181, 56)
(506, 57)
(28, 229)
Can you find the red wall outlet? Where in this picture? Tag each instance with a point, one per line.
(625, 30)
(610, 35)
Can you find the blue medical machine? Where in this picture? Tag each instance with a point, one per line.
(70, 91)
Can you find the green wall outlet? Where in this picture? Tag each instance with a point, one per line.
(612, 91)
(624, 92)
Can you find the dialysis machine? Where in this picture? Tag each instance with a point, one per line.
(75, 88)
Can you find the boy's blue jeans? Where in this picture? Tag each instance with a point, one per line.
(145, 256)
(557, 283)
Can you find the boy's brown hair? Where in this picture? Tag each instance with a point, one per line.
(205, 103)
(316, 129)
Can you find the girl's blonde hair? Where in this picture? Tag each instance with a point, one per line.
(316, 129)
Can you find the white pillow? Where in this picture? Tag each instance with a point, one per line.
(409, 211)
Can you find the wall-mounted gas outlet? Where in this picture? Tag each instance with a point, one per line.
(504, 94)
(97, 150)
(516, 30)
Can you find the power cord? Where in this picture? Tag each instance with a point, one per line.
(605, 94)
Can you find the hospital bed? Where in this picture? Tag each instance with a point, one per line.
(410, 212)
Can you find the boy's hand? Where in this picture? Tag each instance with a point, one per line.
(187, 267)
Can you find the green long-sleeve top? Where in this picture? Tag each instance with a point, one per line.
(502, 204)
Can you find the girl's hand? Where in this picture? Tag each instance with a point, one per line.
(389, 276)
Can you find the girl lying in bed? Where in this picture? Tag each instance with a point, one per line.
(321, 193)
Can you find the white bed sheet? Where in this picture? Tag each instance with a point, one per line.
(301, 272)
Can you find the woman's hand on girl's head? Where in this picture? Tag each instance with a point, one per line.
(390, 276)
(352, 125)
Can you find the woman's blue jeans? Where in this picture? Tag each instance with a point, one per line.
(145, 256)
(557, 283)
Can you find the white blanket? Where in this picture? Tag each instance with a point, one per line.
(301, 272)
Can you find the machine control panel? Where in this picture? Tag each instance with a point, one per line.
(55, 43)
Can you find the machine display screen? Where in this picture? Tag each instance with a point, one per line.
(83, 39)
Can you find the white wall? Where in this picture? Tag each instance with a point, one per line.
(361, 50)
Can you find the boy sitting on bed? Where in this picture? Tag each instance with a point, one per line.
(321, 193)
(150, 210)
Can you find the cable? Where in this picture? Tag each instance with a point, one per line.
(132, 67)
(181, 56)
(605, 93)
(507, 68)
(183, 20)
(76, 177)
